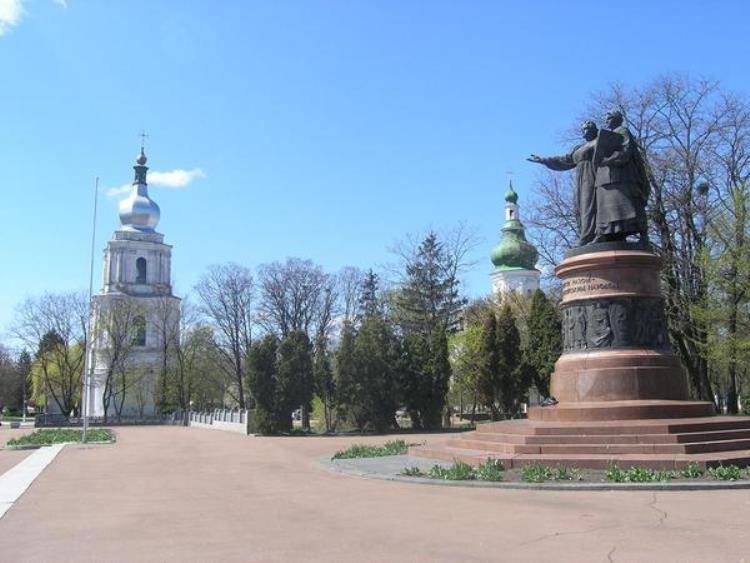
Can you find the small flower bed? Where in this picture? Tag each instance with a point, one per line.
(394, 447)
(692, 471)
(541, 473)
(48, 437)
(491, 470)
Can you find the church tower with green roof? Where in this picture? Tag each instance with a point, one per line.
(514, 257)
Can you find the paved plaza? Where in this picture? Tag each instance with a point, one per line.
(165, 493)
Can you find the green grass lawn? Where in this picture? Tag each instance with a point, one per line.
(61, 435)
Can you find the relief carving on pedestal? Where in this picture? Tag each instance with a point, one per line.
(614, 323)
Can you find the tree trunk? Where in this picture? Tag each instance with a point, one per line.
(732, 336)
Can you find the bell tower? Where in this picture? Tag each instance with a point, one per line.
(137, 297)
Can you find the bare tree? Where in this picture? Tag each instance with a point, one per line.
(195, 382)
(551, 219)
(226, 295)
(118, 325)
(296, 295)
(55, 324)
(168, 315)
(693, 135)
(458, 243)
(349, 283)
(728, 267)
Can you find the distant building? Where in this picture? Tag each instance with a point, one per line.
(137, 271)
(514, 257)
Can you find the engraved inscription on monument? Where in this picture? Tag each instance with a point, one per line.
(586, 284)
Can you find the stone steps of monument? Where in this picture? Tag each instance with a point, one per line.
(599, 448)
(710, 436)
(664, 438)
(527, 427)
(447, 453)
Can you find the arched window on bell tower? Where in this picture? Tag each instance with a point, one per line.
(139, 331)
(140, 270)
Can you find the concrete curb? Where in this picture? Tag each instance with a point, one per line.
(368, 470)
(37, 446)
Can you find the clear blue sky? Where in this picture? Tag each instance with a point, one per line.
(324, 129)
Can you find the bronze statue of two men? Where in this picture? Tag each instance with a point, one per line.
(612, 186)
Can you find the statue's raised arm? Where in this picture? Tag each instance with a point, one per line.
(559, 163)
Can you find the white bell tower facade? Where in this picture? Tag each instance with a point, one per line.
(135, 317)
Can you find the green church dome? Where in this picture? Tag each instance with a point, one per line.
(514, 252)
(511, 196)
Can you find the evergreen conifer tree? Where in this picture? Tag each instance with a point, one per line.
(424, 378)
(428, 308)
(261, 362)
(488, 380)
(374, 404)
(324, 383)
(545, 341)
(513, 385)
(23, 366)
(429, 298)
(440, 374)
(295, 380)
(369, 301)
(345, 375)
(414, 377)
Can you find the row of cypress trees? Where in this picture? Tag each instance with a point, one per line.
(508, 367)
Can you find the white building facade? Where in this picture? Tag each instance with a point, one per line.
(135, 317)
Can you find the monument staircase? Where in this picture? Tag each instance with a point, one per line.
(671, 443)
(623, 395)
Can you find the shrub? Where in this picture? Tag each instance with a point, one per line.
(263, 421)
(692, 471)
(725, 472)
(490, 470)
(615, 474)
(536, 473)
(566, 474)
(459, 471)
(637, 475)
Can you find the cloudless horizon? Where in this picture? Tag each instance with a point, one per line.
(321, 129)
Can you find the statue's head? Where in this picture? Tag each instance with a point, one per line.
(614, 118)
(589, 130)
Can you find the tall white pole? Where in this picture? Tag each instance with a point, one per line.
(88, 364)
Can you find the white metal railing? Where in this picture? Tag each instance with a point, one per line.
(235, 416)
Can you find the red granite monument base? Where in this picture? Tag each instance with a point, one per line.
(623, 396)
(652, 443)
